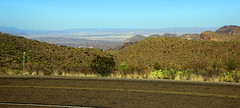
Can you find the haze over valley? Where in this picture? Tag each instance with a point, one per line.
(97, 38)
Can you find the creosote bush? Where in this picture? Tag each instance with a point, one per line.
(103, 65)
(216, 68)
(231, 65)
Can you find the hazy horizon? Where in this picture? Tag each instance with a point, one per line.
(13, 27)
(131, 14)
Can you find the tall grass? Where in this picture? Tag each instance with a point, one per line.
(171, 74)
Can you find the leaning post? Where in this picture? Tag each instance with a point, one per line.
(23, 62)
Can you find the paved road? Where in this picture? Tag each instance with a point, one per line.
(91, 92)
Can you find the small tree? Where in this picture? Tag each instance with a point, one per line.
(103, 65)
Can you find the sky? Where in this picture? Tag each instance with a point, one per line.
(71, 14)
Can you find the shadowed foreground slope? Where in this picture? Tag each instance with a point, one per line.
(43, 57)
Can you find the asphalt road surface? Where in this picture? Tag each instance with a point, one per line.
(101, 92)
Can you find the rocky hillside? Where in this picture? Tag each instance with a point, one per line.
(190, 36)
(129, 42)
(226, 33)
(135, 38)
(229, 30)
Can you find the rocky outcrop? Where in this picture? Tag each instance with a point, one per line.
(225, 33)
(190, 36)
(208, 35)
(229, 30)
(129, 42)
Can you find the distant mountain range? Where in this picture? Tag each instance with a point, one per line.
(116, 39)
(225, 33)
(103, 38)
(102, 33)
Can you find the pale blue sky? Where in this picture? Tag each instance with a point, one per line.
(68, 14)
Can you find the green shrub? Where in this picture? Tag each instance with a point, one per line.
(231, 65)
(216, 68)
(165, 74)
(233, 76)
(103, 65)
(125, 69)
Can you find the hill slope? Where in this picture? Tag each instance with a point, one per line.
(190, 36)
(179, 54)
(128, 42)
(230, 30)
(225, 33)
(44, 57)
(135, 38)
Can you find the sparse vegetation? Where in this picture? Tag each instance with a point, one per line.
(43, 57)
(231, 65)
(208, 59)
(152, 58)
(125, 69)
